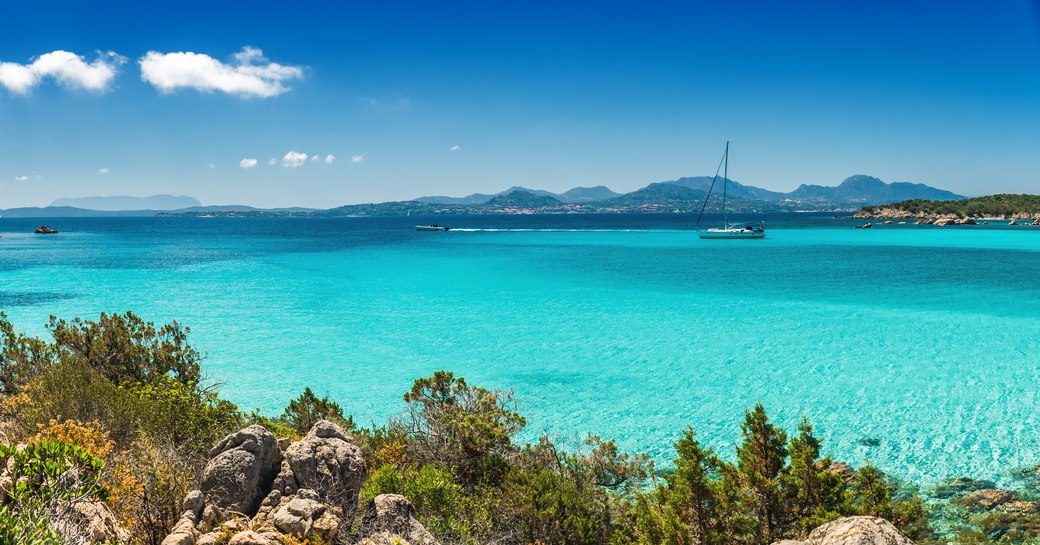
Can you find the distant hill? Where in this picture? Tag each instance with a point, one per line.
(870, 190)
(520, 198)
(482, 198)
(665, 193)
(119, 203)
(75, 212)
(735, 189)
(587, 194)
(1004, 205)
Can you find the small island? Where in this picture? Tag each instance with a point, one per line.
(1004, 206)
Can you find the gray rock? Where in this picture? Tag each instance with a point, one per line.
(328, 462)
(857, 531)
(87, 522)
(390, 518)
(240, 470)
(298, 515)
(250, 537)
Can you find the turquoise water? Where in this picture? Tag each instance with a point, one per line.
(926, 339)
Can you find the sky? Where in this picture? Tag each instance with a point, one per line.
(320, 104)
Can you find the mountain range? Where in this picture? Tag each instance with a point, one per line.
(684, 194)
(855, 190)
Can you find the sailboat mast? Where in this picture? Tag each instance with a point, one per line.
(725, 185)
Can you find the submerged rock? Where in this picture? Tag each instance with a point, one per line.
(987, 498)
(960, 486)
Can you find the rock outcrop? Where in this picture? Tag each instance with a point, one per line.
(240, 469)
(854, 531)
(390, 519)
(259, 490)
(89, 522)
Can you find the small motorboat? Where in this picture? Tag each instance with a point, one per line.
(432, 227)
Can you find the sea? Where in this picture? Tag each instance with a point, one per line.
(915, 348)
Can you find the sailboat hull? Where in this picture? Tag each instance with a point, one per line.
(730, 234)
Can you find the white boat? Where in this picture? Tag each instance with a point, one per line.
(728, 230)
(431, 227)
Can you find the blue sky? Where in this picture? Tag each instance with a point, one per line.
(456, 97)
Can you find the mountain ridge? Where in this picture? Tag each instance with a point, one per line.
(856, 189)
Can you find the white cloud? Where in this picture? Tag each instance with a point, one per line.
(212, 166)
(294, 159)
(249, 75)
(247, 163)
(102, 171)
(272, 161)
(329, 159)
(357, 158)
(314, 158)
(21, 178)
(455, 148)
(68, 69)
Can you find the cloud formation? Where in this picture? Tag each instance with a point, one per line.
(21, 178)
(67, 68)
(294, 159)
(249, 75)
(329, 159)
(456, 147)
(102, 171)
(272, 161)
(357, 158)
(247, 163)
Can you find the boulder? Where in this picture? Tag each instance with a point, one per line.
(857, 531)
(44, 230)
(240, 470)
(250, 537)
(1012, 222)
(944, 222)
(966, 221)
(87, 522)
(305, 517)
(184, 531)
(390, 519)
(328, 462)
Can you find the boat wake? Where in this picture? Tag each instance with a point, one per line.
(547, 230)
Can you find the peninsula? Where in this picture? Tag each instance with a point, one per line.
(1003, 206)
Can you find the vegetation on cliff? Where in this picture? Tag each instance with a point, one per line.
(1003, 205)
(117, 415)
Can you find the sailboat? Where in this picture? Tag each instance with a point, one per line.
(728, 230)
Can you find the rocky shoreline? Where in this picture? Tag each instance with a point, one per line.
(928, 218)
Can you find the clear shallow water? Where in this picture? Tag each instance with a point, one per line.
(926, 339)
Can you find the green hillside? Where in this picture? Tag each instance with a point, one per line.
(1001, 205)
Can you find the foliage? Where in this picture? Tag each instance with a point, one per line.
(303, 412)
(468, 428)
(1000, 205)
(123, 347)
(46, 479)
